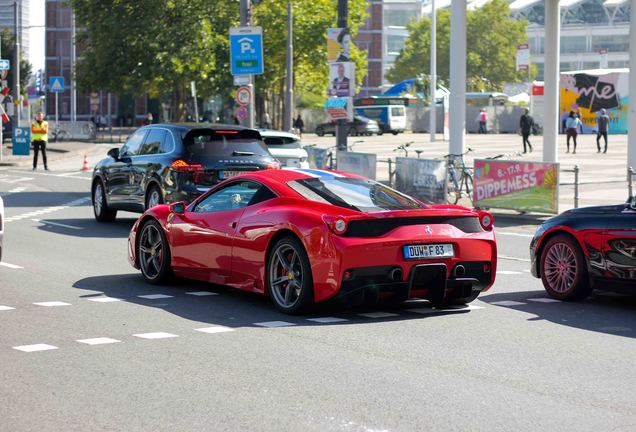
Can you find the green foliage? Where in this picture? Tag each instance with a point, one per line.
(492, 39)
(8, 52)
(159, 46)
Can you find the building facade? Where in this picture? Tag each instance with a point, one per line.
(7, 20)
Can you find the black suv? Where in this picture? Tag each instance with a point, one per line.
(165, 163)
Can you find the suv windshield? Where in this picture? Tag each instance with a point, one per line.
(221, 143)
(357, 194)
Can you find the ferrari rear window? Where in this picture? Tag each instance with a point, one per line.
(357, 194)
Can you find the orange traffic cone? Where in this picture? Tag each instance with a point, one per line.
(85, 164)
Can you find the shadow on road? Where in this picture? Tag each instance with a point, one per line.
(87, 228)
(234, 308)
(43, 199)
(603, 312)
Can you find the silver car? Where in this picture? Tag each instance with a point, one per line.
(285, 147)
(1, 225)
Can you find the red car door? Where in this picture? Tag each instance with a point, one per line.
(202, 239)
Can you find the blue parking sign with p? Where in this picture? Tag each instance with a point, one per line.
(21, 141)
(246, 50)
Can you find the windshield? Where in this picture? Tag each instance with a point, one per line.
(214, 144)
(357, 194)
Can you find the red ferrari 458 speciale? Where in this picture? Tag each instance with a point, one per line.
(307, 236)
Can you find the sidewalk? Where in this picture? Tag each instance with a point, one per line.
(56, 152)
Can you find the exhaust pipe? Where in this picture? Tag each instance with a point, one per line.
(459, 271)
(396, 274)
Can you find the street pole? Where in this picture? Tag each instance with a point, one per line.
(16, 67)
(110, 121)
(246, 19)
(433, 113)
(289, 93)
(458, 77)
(193, 88)
(551, 79)
(73, 60)
(57, 120)
(341, 125)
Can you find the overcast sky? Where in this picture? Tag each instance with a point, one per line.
(36, 36)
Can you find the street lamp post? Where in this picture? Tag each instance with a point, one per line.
(341, 125)
(289, 92)
(433, 83)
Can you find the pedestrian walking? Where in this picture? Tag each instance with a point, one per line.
(299, 124)
(602, 125)
(267, 122)
(525, 124)
(39, 138)
(148, 120)
(483, 118)
(573, 124)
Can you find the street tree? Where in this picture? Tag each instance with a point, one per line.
(492, 39)
(8, 52)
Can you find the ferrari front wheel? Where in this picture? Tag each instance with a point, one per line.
(153, 253)
(289, 281)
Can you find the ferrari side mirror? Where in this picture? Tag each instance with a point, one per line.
(178, 208)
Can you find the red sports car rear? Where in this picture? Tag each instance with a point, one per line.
(308, 236)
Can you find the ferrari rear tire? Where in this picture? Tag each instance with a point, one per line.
(101, 210)
(563, 269)
(153, 253)
(289, 279)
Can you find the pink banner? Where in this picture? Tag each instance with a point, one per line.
(526, 186)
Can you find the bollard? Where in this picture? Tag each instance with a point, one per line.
(390, 173)
(630, 179)
(576, 186)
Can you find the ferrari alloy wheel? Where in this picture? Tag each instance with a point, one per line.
(289, 279)
(563, 269)
(153, 253)
(153, 197)
(100, 207)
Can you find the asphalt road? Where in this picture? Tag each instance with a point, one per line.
(82, 349)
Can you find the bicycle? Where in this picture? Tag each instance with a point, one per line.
(404, 148)
(461, 185)
(60, 135)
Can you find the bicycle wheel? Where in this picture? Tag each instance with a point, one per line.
(468, 186)
(452, 187)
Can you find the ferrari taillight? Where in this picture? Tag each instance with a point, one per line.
(336, 224)
(486, 220)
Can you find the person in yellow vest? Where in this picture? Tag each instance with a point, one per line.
(39, 138)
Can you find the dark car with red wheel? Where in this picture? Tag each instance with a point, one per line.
(165, 163)
(585, 249)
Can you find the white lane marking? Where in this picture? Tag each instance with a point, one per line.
(544, 300)
(47, 222)
(272, 324)
(377, 315)
(155, 296)
(98, 341)
(513, 258)
(508, 303)
(13, 180)
(525, 271)
(11, 266)
(508, 272)
(202, 293)
(34, 347)
(52, 304)
(214, 329)
(105, 299)
(327, 320)
(47, 210)
(508, 233)
(14, 191)
(6, 308)
(433, 310)
(156, 335)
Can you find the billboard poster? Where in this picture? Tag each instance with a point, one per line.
(363, 164)
(523, 57)
(587, 92)
(339, 108)
(424, 179)
(338, 45)
(342, 79)
(516, 185)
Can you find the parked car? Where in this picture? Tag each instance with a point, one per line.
(1, 226)
(359, 126)
(585, 249)
(285, 147)
(307, 236)
(166, 163)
